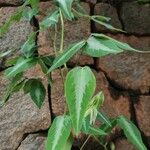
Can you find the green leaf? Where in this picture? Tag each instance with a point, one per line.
(12, 61)
(27, 86)
(5, 53)
(19, 86)
(105, 24)
(37, 92)
(43, 66)
(28, 47)
(66, 7)
(97, 132)
(97, 101)
(79, 8)
(101, 18)
(112, 146)
(58, 133)
(21, 65)
(86, 125)
(34, 3)
(13, 83)
(88, 129)
(48, 60)
(107, 128)
(28, 13)
(120, 45)
(45, 69)
(64, 57)
(103, 118)
(79, 88)
(131, 132)
(50, 20)
(98, 47)
(94, 105)
(68, 144)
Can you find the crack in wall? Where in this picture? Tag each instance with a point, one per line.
(133, 98)
(9, 5)
(50, 103)
(112, 83)
(35, 23)
(44, 132)
(118, 87)
(118, 8)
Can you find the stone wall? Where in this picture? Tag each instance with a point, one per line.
(124, 78)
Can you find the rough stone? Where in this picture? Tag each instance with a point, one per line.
(106, 10)
(80, 60)
(114, 2)
(20, 116)
(136, 18)
(137, 42)
(91, 1)
(123, 144)
(128, 71)
(11, 2)
(16, 35)
(33, 142)
(142, 108)
(45, 41)
(57, 94)
(115, 102)
(74, 32)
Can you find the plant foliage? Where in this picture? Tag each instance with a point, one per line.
(84, 108)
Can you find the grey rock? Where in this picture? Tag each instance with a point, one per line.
(57, 94)
(136, 18)
(11, 2)
(107, 10)
(142, 108)
(128, 71)
(114, 101)
(123, 144)
(141, 43)
(20, 116)
(33, 142)
(16, 35)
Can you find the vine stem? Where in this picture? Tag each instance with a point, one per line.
(104, 146)
(55, 51)
(54, 43)
(85, 142)
(81, 15)
(62, 31)
(62, 39)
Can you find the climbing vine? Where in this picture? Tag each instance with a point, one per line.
(84, 108)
